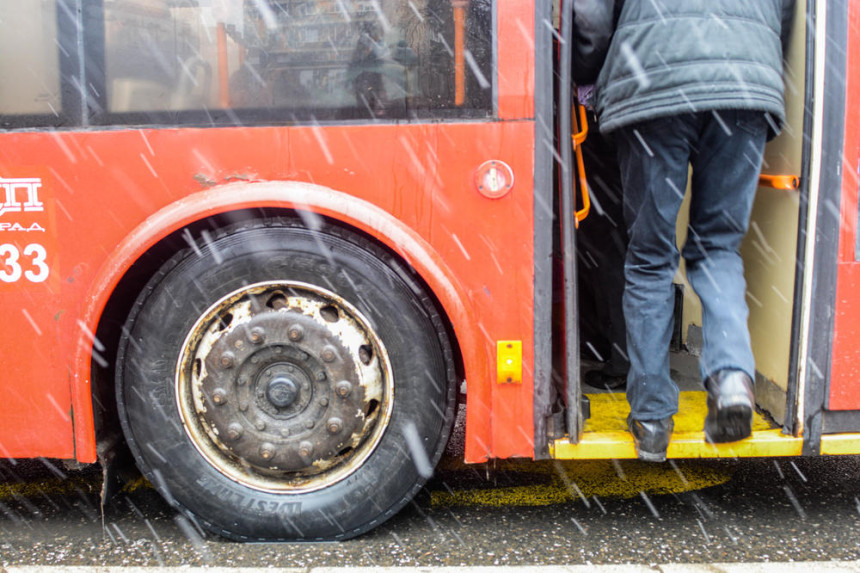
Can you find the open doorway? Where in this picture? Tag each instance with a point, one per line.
(770, 260)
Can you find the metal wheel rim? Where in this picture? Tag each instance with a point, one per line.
(350, 338)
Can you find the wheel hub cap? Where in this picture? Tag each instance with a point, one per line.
(284, 386)
(282, 392)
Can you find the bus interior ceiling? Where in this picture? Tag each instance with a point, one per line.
(769, 253)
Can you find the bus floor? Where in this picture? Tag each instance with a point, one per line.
(605, 434)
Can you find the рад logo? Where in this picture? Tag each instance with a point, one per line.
(17, 189)
(21, 196)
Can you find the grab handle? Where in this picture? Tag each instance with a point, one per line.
(580, 132)
(782, 182)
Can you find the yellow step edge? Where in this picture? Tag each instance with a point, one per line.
(619, 445)
(840, 444)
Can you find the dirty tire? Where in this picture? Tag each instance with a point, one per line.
(227, 487)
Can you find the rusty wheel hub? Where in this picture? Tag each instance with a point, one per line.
(284, 386)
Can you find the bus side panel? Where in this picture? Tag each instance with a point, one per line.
(516, 58)
(35, 411)
(107, 183)
(845, 370)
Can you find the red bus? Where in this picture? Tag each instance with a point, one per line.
(264, 244)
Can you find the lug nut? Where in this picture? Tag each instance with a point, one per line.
(219, 396)
(228, 359)
(323, 401)
(328, 354)
(296, 333)
(257, 335)
(334, 425)
(320, 376)
(267, 451)
(235, 431)
(239, 344)
(306, 449)
(260, 425)
(343, 388)
(309, 424)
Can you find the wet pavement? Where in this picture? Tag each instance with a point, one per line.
(508, 513)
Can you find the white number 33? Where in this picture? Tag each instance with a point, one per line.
(37, 270)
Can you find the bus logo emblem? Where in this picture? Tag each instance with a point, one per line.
(29, 186)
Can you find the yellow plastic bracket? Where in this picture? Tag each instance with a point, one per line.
(509, 362)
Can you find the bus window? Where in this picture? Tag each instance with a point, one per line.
(29, 62)
(297, 59)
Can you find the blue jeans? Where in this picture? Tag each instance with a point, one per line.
(725, 151)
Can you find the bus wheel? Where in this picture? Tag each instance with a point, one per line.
(285, 383)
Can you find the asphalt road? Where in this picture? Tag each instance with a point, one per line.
(509, 513)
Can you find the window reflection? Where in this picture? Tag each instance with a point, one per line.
(325, 58)
(29, 61)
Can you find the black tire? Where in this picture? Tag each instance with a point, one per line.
(229, 490)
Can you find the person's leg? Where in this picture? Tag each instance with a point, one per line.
(725, 177)
(654, 158)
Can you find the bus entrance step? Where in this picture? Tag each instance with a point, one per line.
(619, 445)
(605, 434)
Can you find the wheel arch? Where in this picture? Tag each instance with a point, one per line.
(150, 244)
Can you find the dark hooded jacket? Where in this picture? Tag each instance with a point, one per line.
(659, 58)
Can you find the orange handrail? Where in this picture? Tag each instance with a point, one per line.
(459, 51)
(223, 71)
(782, 182)
(580, 132)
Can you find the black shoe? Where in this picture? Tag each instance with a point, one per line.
(651, 437)
(600, 379)
(730, 406)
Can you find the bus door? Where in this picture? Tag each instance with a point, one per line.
(570, 155)
(596, 419)
(830, 392)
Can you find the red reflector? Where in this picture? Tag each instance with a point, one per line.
(494, 179)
